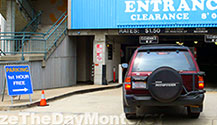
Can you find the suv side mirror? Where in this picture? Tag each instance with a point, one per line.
(124, 65)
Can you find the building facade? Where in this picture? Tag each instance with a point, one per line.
(122, 23)
(67, 42)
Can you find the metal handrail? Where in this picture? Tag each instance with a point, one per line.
(36, 19)
(44, 41)
(57, 27)
(21, 32)
(64, 14)
(57, 37)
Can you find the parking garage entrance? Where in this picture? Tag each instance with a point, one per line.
(203, 48)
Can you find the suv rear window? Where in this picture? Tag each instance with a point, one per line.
(149, 61)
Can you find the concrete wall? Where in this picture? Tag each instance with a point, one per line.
(60, 68)
(2, 78)
(52, 10)
(21, 19)
(101, 37)
(100, 41)
(3, 28)
(84, 58)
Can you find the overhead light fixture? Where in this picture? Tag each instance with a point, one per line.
(195, 42)
(179, 43)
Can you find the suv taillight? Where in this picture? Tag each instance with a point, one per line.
(128, 80)
(200, 82)
(127, 83)
(127, 86)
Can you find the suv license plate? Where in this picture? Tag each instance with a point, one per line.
(139, 85)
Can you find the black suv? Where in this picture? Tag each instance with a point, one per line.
(163, 75)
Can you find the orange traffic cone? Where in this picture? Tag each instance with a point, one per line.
(43, 101)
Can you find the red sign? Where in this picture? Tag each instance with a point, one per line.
(99, 51)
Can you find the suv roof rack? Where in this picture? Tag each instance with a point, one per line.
(162, 46)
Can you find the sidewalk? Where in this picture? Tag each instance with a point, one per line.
(51, 95)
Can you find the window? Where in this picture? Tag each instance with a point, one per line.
(181, 61)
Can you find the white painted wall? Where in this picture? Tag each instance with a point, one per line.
(2, 23)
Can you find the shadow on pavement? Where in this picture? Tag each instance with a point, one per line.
(164, 115)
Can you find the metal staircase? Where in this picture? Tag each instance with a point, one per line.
(30, 43)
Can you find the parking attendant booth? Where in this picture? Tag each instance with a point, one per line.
(115, 28)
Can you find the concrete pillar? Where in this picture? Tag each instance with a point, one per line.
(10, 23)
(99, 56)
(3, 24)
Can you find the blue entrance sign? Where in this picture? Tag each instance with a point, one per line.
(18, 80)
(166, 13)
(134, 14)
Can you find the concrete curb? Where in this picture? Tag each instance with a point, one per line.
(76, 92)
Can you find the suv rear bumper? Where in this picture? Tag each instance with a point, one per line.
(133, 100)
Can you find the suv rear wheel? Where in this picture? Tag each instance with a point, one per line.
(165, 84)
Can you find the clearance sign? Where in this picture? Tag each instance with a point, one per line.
(166, 13)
